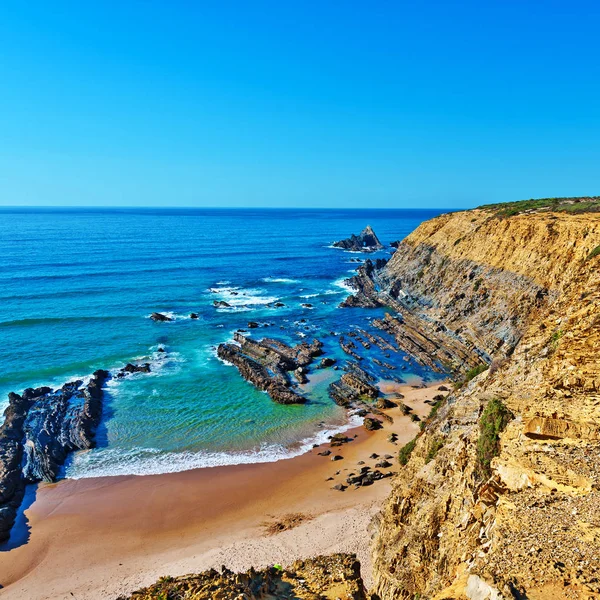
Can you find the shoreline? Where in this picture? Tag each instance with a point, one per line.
(96, 538)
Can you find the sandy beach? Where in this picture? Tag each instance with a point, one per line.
(99, 538)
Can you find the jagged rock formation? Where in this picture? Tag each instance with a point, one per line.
(521, 293)
(353, 387)
(365, 241)
(320, 578)
(266, 364)
(41, 427)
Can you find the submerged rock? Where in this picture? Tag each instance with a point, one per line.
(160, 317)
(221, 304)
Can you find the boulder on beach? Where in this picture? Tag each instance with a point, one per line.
(371, 424)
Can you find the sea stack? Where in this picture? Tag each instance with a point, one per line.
(365, 241)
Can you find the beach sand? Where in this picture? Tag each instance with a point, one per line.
(99, 538)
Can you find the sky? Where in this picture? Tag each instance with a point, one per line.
(329, 103)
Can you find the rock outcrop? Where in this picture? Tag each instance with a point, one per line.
(365, 241)
(160, 317)
(312, 579)
(266, 364)
(479, 511)
(41, 427)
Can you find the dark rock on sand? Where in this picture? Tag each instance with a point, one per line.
(338, 439)
(336, 457)
(371, 424)
(385, 403)
(365, 241)
(324, 453)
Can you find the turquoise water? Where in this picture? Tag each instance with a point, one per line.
(76, 289)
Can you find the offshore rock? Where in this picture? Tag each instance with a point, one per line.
(266, 364)
(365, 241)
(160, 317)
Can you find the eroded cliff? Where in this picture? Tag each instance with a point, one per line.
(521, 293)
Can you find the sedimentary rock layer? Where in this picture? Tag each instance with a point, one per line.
(525, 291)
(266, 364)
(41, 427)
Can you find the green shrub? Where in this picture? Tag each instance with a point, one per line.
(593, 253)
(472, 373)
(492, 422)
(477, 284)
(436, 444)
(406, 451)
(555, 338)
(577, 205)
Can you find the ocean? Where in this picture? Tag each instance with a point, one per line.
(77, 288)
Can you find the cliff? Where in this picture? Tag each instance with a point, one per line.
(499, 494)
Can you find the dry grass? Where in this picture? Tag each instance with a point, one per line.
(285, 522)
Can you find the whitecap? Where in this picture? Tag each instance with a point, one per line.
(112, 462)
(280, 280)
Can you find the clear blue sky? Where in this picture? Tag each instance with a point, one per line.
(325, 103)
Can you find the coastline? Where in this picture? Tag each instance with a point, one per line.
(97, 538)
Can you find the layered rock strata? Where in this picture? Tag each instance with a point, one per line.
(266, 364)
(522, 292)
(40, 428)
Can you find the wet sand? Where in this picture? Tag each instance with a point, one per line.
(98, 538)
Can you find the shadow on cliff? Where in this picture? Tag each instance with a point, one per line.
(21, 530)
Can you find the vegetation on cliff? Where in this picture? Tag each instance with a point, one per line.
(574, 205)
(493, 420)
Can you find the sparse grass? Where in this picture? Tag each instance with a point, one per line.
(477, 284)
(285, 522)
(492, 423)
(406, 451)
(595, 252)
(472, 373)
(555, 338)
(575, 205)
(436, 444)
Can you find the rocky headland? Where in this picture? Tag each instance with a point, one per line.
(42, 426)
(497, 496)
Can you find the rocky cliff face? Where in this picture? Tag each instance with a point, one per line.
(523, 292)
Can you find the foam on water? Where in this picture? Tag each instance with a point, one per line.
(107, 462)
(279, 280)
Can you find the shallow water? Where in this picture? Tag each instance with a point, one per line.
(76, 288)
